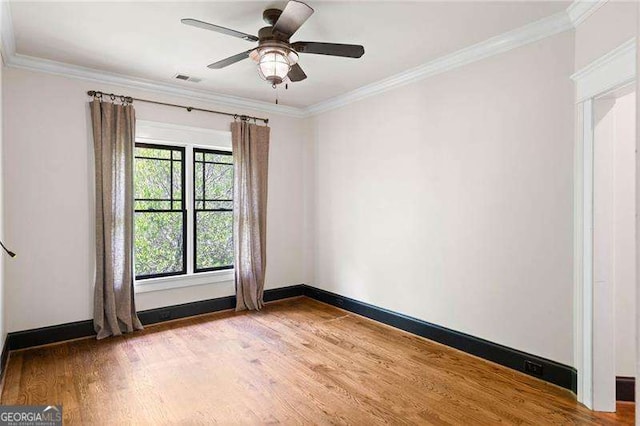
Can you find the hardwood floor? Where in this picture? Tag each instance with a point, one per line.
(298, 361)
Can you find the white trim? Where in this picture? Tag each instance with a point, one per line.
(611, 71)
(7, 42)
(576, 13)
(530, 33)
(178, 281)
(83, 73)
(580, 10)
(172, 126)
(614, 69)
(153, 131)
(585, 374)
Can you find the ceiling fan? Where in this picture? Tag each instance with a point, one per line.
(276, 56)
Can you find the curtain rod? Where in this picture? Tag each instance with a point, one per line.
(129, 99)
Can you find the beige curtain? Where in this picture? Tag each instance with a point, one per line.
(113, 138)
(251, 161)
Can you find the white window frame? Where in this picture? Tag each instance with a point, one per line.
(189, 138)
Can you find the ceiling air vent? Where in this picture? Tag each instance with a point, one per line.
(187, 78)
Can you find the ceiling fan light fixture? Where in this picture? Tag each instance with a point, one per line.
(274, 63)
(275, 55)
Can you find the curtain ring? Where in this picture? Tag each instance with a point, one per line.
(98, 95)
(113, 97)
(235, 117)
(123, 100)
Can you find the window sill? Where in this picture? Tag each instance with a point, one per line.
(177, 281)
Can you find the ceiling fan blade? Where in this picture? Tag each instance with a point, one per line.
(332, 49)
(230, 60)
(293, 16)
(296, 73)
(218, 29)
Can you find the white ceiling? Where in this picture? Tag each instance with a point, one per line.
(147, 40)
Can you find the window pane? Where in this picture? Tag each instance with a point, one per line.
(153, 152)
(212, 205)
(158, 243)
(153, 205)
(152, 179)
(219, 158)
(218, 181)
(197, 170)
(214, 239)
(158, 231)
(177, 179)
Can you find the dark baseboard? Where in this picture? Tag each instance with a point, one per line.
(74, 330)
(545, 369)
(4, 358)
(154, 316)
(626, 389)
(52, 334)
(274, 294)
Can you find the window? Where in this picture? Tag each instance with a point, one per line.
(213, 210)
(183, 210)
(160, 214)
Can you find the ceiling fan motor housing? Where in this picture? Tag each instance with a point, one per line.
(270, 16)
(275, 55)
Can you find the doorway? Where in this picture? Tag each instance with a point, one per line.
(613, 230)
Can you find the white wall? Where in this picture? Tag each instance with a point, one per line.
(450, 199)
(48, 158)
(624, 233)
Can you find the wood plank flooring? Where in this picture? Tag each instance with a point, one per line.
(298, 361)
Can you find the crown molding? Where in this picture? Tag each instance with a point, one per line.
(554, 24)
(7, 42)
(58, 68)
(530, 33)
(613, 69)
(15, 60)
(580, 10)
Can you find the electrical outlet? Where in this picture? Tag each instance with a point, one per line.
(533, 368)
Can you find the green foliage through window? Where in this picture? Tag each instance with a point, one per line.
(213, 209)
(160, 215)
(160, 221)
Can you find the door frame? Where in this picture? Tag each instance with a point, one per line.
(611, 71)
